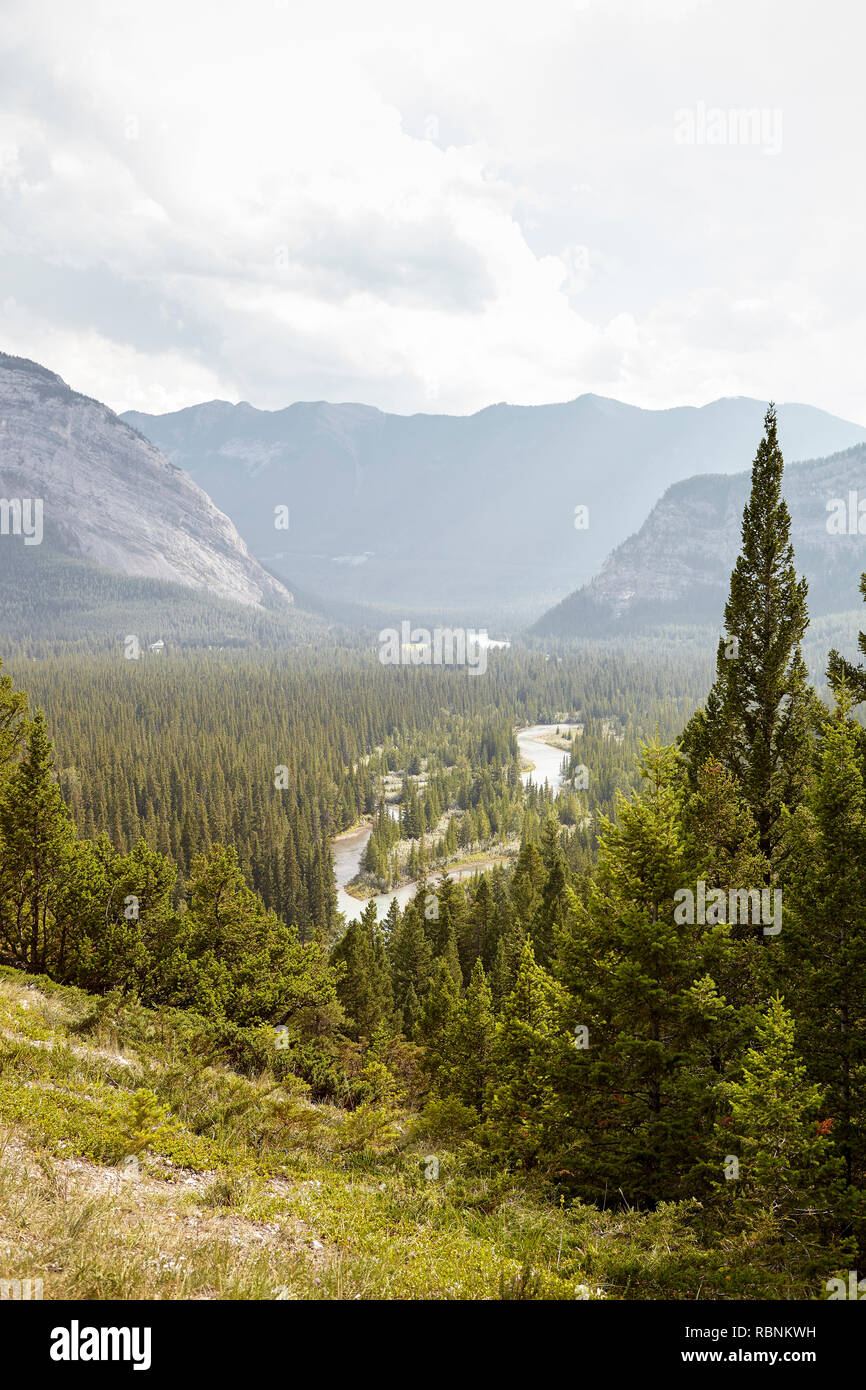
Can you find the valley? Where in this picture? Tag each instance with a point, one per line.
(432, 681)
(348, 848)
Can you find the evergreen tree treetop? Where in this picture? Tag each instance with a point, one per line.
(758, 715)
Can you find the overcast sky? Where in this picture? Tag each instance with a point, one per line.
(435, 206)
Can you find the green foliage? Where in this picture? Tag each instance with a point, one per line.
(143, 1121)
(522, 1107)
(554, 1032)
(844, 673)
(789, 1183)
(758, 715)
(365, 987)
(823, 945)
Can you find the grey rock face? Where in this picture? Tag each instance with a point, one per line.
(110, 496)
(676, 568)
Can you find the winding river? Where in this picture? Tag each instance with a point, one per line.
(348, 849)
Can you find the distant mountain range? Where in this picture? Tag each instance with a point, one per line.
(460, 517)
(477, 518)
(676, 568)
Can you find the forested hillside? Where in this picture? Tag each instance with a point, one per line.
(55, 603)
(183, 749)
(647, 1032)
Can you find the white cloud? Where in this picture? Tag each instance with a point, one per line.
(429, 211)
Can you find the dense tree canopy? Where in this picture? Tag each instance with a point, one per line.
(656, 995)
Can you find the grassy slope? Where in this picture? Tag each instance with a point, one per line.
(253, 1192)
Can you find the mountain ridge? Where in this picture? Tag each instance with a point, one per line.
(460, 515)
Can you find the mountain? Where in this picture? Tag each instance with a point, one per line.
(88, 489)
(677, 567)
(470, 516)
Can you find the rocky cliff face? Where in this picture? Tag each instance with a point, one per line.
(677, 567)
(110, 497)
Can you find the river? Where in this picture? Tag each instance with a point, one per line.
(348, 849)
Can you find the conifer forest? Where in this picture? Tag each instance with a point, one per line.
(432, 677)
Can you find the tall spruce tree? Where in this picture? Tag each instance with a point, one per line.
(522, 1115)
(637, 1117)
(365, 988)
(783, 1202)
(243, 963)
(435, 1028)
(550, 912)
(37, 856)
(410, 955)
(472, 1041)
(721, 841)
(758, 715)
(823, 946)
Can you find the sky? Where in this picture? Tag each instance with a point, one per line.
(435, 207)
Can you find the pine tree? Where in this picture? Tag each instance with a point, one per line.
(410, 1013)
(13, 725)
(720, 830)
(451, 954)
(784, 1196)
(132, 938)
(637, 1116)
(365, 989)
(522, 1113)
(472, 1041)
(391, 924)
(721, 848)
(243, 963)
(436, 1026)
(550, 912)
(501, 976)
(528, 882)
(411, 957)
(758, 714)
(37, 856)
(474, 942)
(514, 941)
(448, 923)
(823, 945)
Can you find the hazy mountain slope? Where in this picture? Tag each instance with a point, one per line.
(52, 602)
(111, 499)
(451, 514)
(677, 566)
